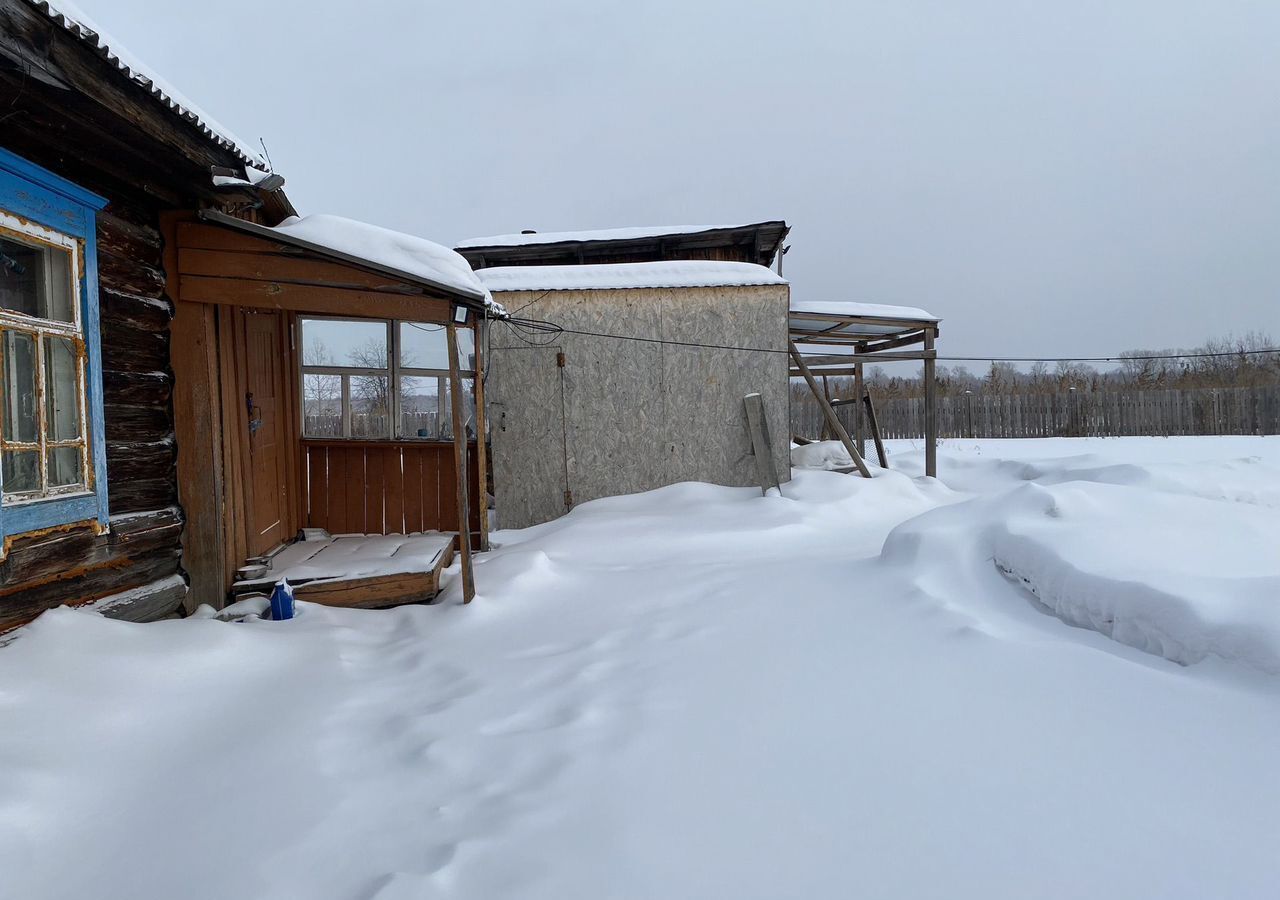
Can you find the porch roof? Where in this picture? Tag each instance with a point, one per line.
(414, 262)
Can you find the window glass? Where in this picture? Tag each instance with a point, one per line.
(423, 345)
(21, 471)
(468, 409)
(344, 343)
(322, 405)
(61, 389)
(35, 280)
(420, 406)
(21, 422)
(410, 401)
(64, 466)
(370, 406)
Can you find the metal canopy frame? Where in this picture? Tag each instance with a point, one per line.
(828, 344)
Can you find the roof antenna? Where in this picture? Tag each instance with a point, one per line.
(267, 153)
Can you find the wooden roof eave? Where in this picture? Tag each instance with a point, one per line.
(414, 283)
(243, 264)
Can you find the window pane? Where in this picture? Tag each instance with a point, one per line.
(424, 345)
(61, 389)
(466, 350)
(420, 407)
(21, 471)
(359, 343)
(370, 406)
(64, 466)
(19, 386)
(468, 408)
(322, 405)
(35, 280)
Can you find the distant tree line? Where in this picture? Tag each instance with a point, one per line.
(1234, 364)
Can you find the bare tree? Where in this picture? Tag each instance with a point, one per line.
(321, 394)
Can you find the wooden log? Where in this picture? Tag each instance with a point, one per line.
(828, 412)
(155, 600)
(460, 467)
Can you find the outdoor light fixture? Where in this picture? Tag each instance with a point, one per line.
(460, 315)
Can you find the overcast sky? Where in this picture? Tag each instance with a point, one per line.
(1052, 179)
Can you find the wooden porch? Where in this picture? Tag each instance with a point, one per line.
(358, 570)
(251, 476)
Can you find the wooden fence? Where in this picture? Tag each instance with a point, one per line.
(1066, 414)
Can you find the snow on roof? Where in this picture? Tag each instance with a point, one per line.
(70, 17)
(605, 234)
(619, 276)
(869, 310)
(406, 253)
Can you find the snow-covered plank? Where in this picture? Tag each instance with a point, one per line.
(853, 309)
(621, 276)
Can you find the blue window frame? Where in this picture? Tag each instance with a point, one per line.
(53, 458)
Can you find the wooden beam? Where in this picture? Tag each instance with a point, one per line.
(875, 430)
(312, 299)
(905, 341)
(290, 269)
(902, 324)
(198, 432)
(761, 445)
(460, 466)
(482, 450)
(930, 408)
(827, 411)
(826, 392)
(858, 388)
(840, 359)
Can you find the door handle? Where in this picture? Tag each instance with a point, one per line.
(255, 414)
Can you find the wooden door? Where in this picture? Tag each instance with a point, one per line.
(266, 418)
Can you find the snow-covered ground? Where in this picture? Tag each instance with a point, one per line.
(860, 689)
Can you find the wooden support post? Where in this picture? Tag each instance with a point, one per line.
(828, 413)
(874, 427)
(827, 434)
(859, 433)
(460, 464)
(930, 408)
(761, 445)
(482, 448)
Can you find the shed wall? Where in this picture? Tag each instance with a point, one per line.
(624, 416)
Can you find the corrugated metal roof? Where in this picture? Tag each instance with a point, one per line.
(68, 16)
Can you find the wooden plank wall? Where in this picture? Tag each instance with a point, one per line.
(368, 487)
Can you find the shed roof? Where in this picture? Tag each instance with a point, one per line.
(621, 276)
(755, 243)
(840, 322)
(525, 239)
(71, 18)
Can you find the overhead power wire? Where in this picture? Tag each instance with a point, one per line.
(521, 327)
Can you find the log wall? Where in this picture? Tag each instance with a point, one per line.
(69, 111)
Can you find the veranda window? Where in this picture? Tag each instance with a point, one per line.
(375, 379)
(43, 448)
